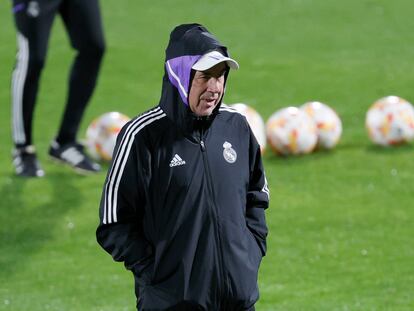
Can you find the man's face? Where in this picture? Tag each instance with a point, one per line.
(207, 89)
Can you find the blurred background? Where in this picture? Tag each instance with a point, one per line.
(341, 221)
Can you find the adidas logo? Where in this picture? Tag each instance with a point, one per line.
(176, 161)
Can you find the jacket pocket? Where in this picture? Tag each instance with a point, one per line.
(254, 246)
(143, 271)
(143, 274)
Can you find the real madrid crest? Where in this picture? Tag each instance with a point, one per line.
(229, 154)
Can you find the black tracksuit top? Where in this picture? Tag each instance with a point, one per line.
(183, 202)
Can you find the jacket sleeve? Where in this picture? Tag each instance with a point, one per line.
(257, 196)
(120, 231)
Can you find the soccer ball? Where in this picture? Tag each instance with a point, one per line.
(101, 134)
(390, 121)
(291, 131)
(255, 121)
(328, 124)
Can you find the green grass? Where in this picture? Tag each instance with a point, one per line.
(341, 222)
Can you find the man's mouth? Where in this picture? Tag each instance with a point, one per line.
(210, 99)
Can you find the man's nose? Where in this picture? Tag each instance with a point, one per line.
(213, 85)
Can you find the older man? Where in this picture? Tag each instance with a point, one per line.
(183, 203)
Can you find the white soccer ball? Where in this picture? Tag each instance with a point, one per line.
(390, 121)
(328, 124)
(291, 131)
(101, 134)
(255, 121)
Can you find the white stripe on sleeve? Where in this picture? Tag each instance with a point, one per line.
(18, 82)
(120, 159)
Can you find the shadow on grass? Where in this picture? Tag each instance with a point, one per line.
(370, 148)
(28, 220)
(396, 149)
(318, 154)
(321, 154)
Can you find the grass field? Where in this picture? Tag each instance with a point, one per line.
(341, 222)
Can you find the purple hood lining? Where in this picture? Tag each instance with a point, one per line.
(179, 70)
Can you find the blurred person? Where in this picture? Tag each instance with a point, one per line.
(183, 202)
(33, 20)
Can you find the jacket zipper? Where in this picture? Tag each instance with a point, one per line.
(215, 214)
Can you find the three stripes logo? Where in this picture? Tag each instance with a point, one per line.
(176, 161)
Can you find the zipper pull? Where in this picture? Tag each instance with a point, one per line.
(203, 147)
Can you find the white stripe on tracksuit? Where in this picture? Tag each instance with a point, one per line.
(229, 109)
(120, 159)
(266, 188)
(18, 82)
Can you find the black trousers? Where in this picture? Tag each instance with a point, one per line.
(190, 307)
(33, 20)
(184, 307)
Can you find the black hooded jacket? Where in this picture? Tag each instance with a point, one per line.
(183, 202)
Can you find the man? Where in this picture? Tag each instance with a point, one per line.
(183, 203)
(33, 21)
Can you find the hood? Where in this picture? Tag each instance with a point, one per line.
(188, 43)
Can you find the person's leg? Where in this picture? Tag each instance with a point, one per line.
(33, 23)
(82, 20)
(33, 20)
